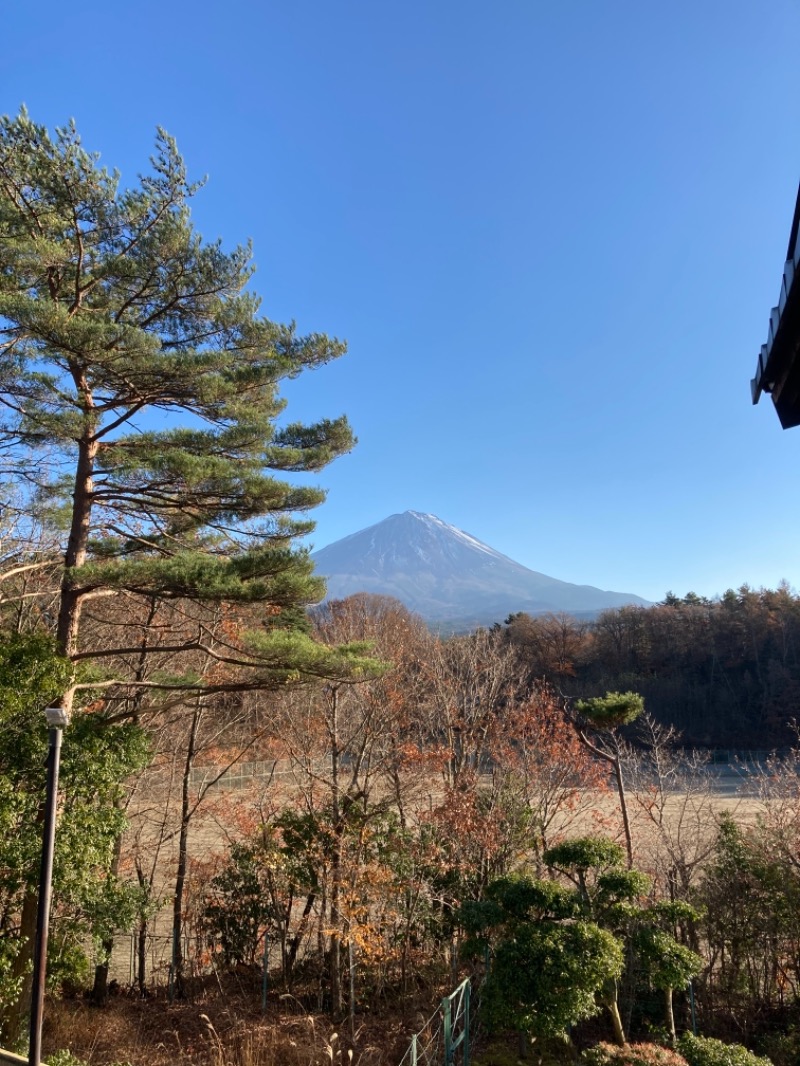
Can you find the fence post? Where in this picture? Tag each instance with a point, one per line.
(175, 952)
(467, 991)
(448, 1032)
(265, 975)
(414, 1050)
(351, 957)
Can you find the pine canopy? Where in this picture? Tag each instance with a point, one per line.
(139, 402)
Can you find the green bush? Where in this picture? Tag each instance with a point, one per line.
(238, 907)
(783, 1048)
(64, 1057)
(705, 1051)
(631, 1055)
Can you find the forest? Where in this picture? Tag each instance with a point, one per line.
(724, 672)
(286, 831)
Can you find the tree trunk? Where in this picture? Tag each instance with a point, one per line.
(99, 994)
(614, 761)
(623, 806)
(177, 913)
(610, 1001)
(71, 598)
(335, 965)
(337, 1001)
(14, 1016)
(298, 936)
(183, 859)
(323, 910)
(670, 1016)
(141, 957)
(146, 884)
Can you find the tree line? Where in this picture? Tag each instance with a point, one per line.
(725, 672)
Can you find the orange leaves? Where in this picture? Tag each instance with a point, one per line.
(536, 739)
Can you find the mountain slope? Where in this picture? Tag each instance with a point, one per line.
(448, 577)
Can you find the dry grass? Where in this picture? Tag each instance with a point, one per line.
(219, 1028)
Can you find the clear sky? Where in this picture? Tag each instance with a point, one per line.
(551, 232)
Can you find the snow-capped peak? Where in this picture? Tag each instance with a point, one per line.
(452, 531)
(448, 576)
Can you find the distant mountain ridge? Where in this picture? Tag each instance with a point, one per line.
(450, 578)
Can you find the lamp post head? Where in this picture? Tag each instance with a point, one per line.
(57, 717)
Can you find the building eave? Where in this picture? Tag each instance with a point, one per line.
(778, 368)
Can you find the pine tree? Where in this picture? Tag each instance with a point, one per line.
(139, 400)
(140, 414)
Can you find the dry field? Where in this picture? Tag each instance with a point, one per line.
(686, 824)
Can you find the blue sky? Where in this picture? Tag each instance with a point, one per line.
(551, 233)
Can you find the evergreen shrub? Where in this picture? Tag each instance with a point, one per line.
(706, 1051)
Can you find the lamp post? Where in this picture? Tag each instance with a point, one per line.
(56, 721)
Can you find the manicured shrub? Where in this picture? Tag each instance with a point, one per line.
(631, 1055)
(705, 1051)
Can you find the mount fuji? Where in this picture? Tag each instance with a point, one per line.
(452, 580)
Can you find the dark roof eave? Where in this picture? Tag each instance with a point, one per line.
(778, 369)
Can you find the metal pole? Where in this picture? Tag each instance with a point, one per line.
(56, 720)
(352, 991)
(265, 975)
(448, 1032)
(467, 1007)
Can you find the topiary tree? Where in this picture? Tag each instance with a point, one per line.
(606, 893)
(605, 714)
(631, 1055)
(705, 1051)
(594, 864)
(612, 710)
(611, 895)
(548, 962)
(670, 964)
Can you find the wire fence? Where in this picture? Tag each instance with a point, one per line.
(243, 775)
(147, 963)
(444, 1039)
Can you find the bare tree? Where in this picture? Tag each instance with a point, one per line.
(673, 800)
(471, 682)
